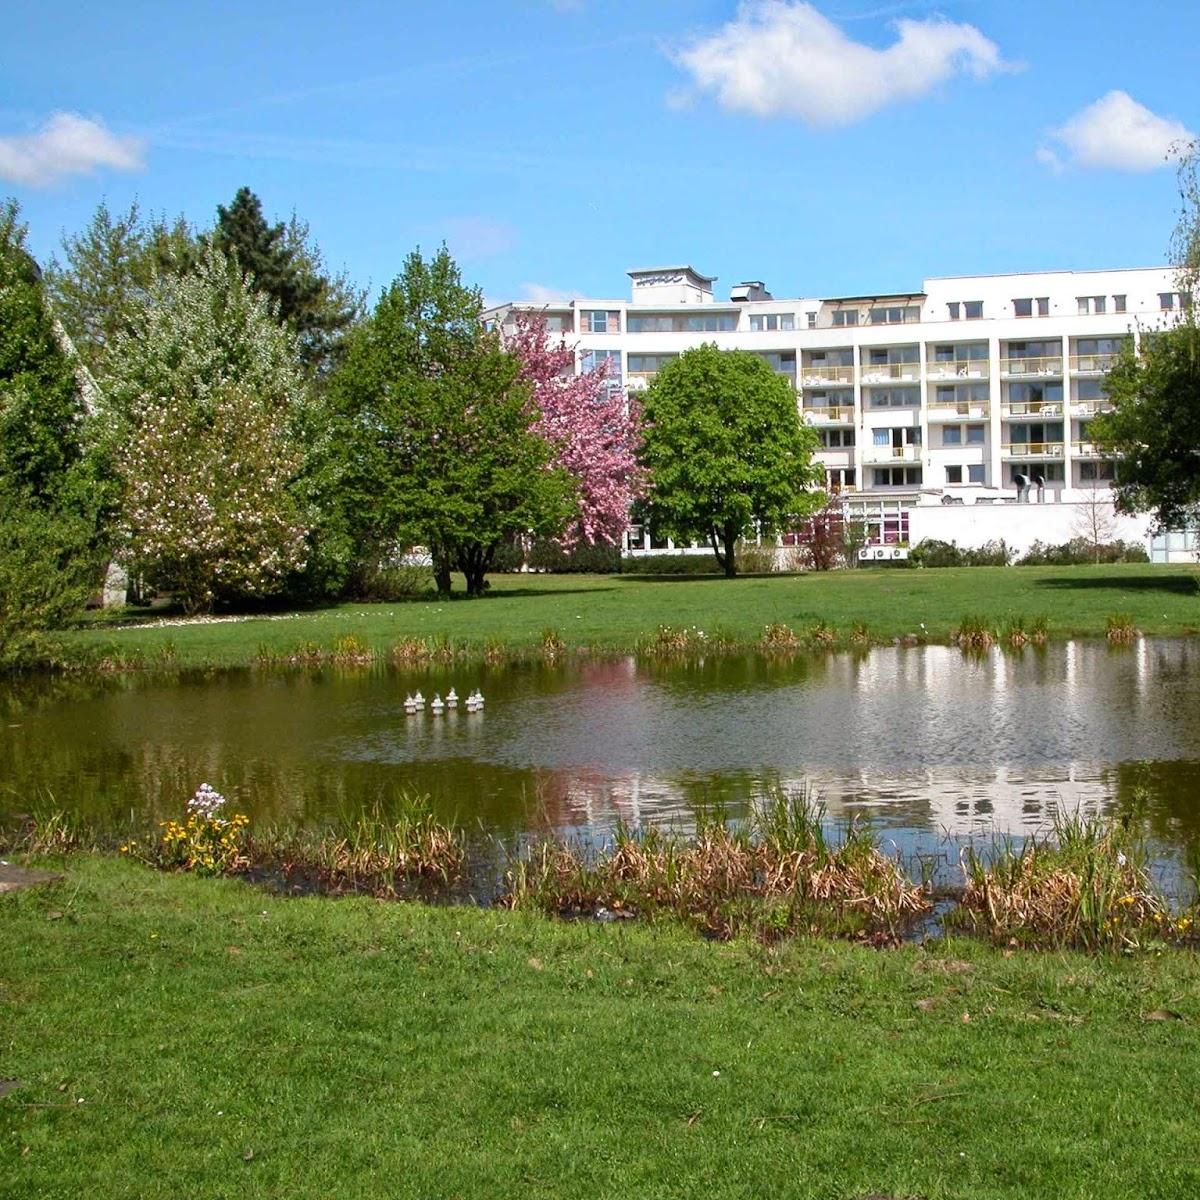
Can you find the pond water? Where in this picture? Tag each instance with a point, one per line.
(931, 743)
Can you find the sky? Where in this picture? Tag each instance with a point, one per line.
(838, 147)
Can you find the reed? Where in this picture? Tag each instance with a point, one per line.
(1084, 884)
(779, 638)
(1119, 628)
(778, 875)
(975, 635)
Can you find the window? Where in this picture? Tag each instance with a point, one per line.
(976, 434)
(964, 352)
(1035, 393)
(954, 474)
(900, 397)
(1050, 472)
(837, 439)
(783, 361)
(595, 360)
(897, 476)
(812, 320)
(954, 308)
(681, 323)
(599, 321)
(1091, 304)
(976, 473)
(879, 356)
(1023, 308)
(839, 477)
(1166, 301)
(973, 309)
(961, 393)
(558, 323)
(772, 322)
(951, 436)
(894, 314)
(647, 364)
(1118, 304)
(845, 316)
(1043, 306)
(1095, 472)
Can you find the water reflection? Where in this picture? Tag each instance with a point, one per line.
(924, 739)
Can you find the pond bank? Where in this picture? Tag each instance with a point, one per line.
(171, 1034)
(530, 615)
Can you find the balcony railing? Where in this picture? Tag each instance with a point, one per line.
(1033, 408)
(826, 376)
(975, 368)
(837, 415)
(1021, 368)
(958, 410)
(1087, 450)
(640, 380)
(891, 372)
(1090, 408)
(1092, 364)
(1032, 450)
(888, 454)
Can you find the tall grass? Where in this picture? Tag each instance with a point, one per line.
(777, 875)
(1085, 884)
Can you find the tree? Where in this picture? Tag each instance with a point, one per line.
(203, 410)
(1154, 425)
(592, 427)
(438, 431)
(284, 265)
(725, 451)
(49, 559)
(106, 273)
(1095, 523)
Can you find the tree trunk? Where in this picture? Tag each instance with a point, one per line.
(730, 538)
(441, 568)
(473, 561)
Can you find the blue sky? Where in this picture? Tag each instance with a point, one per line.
(838, 147)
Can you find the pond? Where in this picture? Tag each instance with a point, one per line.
(933, 744)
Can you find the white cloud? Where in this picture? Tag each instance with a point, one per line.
(781, 58)
(539, 293)
(1116, 132)
(474, 238)
(67, 144)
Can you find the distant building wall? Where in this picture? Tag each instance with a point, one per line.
(1019, 525)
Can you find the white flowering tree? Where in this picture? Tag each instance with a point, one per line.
(204, 408)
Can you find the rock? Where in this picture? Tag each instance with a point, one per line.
(13, 879)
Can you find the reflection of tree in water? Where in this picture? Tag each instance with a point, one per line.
(723, 673)
(1163, 798)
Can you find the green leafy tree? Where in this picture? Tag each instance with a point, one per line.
(284, 265)
(205, 413)
(106, 272)
(437, 431)
(725, 451)
(1154, 426)
(49, 557)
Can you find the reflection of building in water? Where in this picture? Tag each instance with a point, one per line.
(937, 802)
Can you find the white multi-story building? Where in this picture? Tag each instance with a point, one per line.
(958, 392)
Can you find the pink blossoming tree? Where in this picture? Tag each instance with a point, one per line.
(592, 426)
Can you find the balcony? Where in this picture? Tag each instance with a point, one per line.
(975, 368)
(891, 372)
(1032, 450)
(1092, 364)
(1050, 367)
(1087, 450)
(891, 454)
(843, 415)
(1032, 408)
(1090, 408)
(959, 410)
(829, 376)
(639, 381)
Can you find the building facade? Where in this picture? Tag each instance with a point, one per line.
(974, 390)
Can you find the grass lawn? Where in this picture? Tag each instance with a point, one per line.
(183, 1037)
(612, 612)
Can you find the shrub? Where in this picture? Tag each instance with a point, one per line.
(930, 552)
(1081, 552)
(670, 564)
(753, 559)
(547, 555)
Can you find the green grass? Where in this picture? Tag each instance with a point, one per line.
(612, 613)
(185, 1037)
